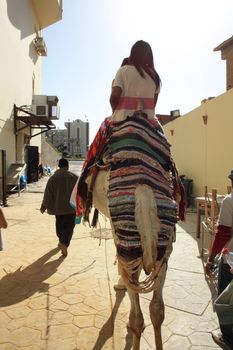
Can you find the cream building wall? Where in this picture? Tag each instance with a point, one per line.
(204, 152)
(21, 22)
(20, 72)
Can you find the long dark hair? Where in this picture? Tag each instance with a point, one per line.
(141, 56)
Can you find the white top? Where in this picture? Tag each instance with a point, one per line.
(226, 216)
(137, 93)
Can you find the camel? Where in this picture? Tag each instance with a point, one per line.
(142, 215)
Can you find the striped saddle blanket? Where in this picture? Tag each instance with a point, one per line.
(140, 154)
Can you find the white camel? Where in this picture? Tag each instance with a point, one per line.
(148, 225)
(135, 188)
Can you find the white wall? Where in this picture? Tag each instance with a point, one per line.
(19, 66)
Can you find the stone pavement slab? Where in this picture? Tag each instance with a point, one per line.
(48, 302)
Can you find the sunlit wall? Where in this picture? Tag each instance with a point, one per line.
(202, 143)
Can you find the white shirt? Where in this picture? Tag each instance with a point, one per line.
(226, 216)
(137, 93)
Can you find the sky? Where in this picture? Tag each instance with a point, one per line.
(86, 48)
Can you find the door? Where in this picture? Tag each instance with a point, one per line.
(32, 161)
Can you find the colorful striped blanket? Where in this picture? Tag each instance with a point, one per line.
(140, 154)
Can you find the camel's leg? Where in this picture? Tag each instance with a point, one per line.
(157, 309)
(136, 320)
(100, 192)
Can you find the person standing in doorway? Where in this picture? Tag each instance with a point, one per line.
(223, 238)
(56, 201)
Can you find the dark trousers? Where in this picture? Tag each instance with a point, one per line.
(224, 278)
(64, 228)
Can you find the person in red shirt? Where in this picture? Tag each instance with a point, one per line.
(223, 238)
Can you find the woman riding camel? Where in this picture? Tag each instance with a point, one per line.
(135, 90)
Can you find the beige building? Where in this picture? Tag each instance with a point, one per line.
(73, 141)
(202, 141)
(77, 138)
(22, 49)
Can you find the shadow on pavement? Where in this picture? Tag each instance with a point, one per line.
(107, 330)
(21, 284)
(212, 282)
(128, 340)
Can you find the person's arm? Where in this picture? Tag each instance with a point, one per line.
(48, 196)
(115, 97)
(222, 237)
(156, 95)
(3, 222)
(117, 87)
(156, 98)
(223, 234)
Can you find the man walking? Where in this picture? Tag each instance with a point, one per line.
(57, 202)
(224, 237)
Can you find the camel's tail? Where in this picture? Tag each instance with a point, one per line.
(148, 224)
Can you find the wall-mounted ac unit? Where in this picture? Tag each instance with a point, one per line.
(40, 110)
(46, 106)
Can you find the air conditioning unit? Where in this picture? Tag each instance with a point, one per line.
(46, 106)
(40, 110)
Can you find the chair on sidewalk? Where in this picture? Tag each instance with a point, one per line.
(208, 225)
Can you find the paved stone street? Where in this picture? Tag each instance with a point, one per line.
(53, 303)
